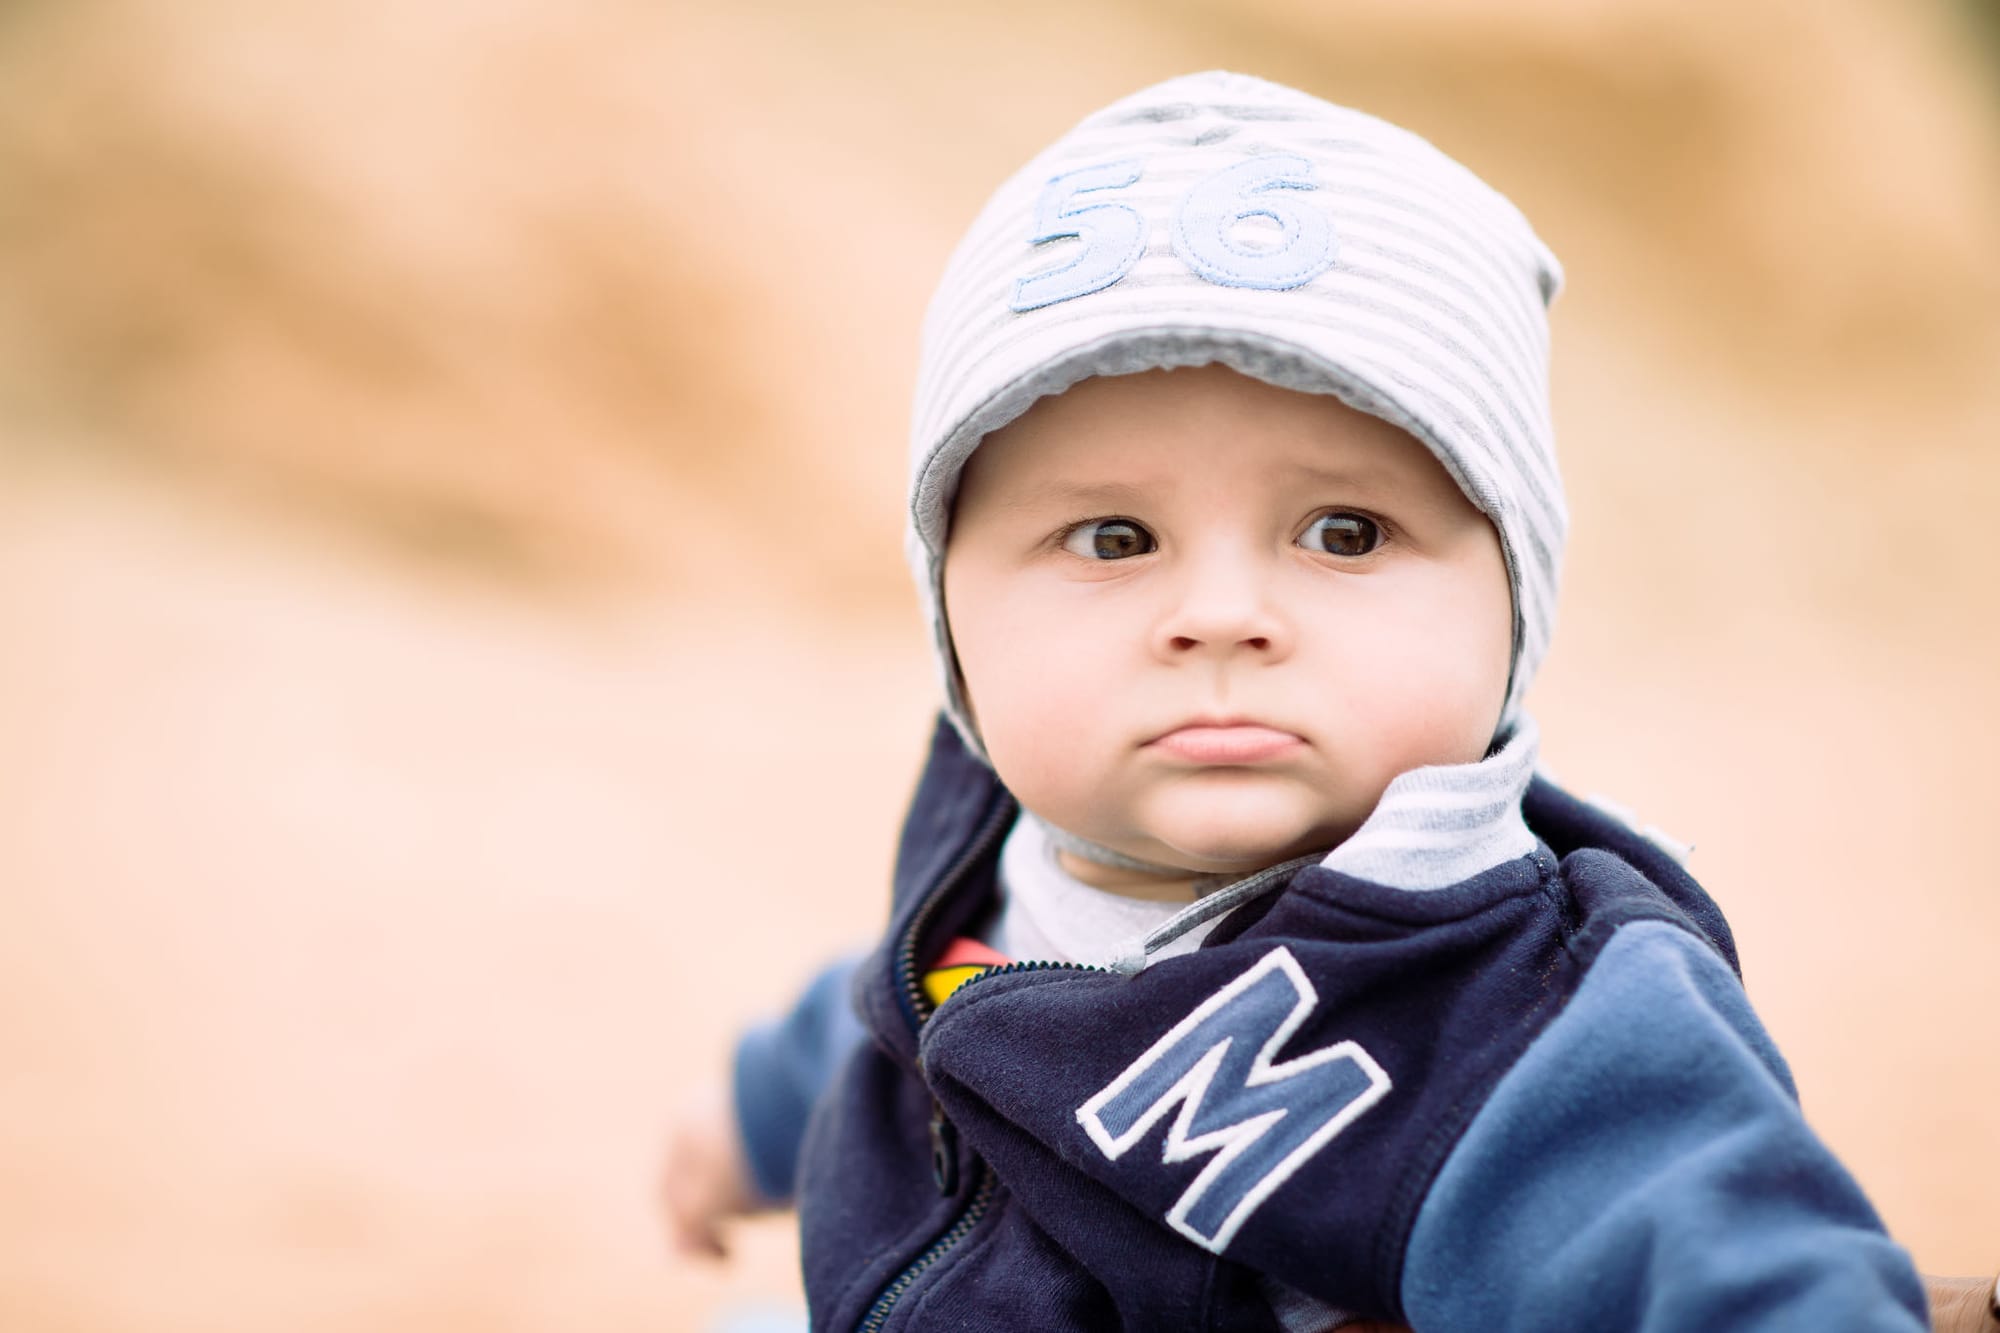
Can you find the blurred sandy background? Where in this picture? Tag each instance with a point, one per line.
(455, 661)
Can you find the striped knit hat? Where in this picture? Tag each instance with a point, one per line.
(1221, 219)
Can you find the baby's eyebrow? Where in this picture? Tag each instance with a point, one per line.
(1110, 496)
(1074, 494)
(1359, 475)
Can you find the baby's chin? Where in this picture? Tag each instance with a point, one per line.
(1237, 833)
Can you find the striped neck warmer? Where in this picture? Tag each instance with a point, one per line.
(1222, 219)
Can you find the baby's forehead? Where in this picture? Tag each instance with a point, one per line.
(1112, 442)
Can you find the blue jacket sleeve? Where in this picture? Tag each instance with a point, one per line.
(1645, 1166)
(780, 1070)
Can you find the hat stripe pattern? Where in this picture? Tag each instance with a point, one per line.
(1219, 218)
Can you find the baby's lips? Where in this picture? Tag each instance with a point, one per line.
(1227, 743)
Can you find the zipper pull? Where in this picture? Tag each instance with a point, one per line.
(944, 1151)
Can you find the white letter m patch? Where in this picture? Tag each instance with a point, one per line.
(1261, 1120)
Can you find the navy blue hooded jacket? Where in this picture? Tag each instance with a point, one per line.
(1534, 1099)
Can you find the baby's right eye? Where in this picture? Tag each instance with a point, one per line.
(1109, 539)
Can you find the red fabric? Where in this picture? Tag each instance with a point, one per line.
(967, 952)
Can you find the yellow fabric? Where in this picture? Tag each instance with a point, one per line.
(940, 982)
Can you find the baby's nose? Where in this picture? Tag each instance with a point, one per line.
(1224, 606)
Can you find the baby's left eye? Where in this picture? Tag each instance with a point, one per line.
(1342, 533)
(1110, 539)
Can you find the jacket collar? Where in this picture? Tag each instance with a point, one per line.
(1434, 827)
(1443, 824)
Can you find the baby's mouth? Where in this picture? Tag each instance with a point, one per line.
(1226, 743)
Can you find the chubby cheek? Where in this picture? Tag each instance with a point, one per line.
(1037, 686)
(1433, 688)
(1038, 739)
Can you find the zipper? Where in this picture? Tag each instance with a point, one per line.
(944, 1170)
(982, 1198)
(915, 1001)
(943, 1135)
(1031, 965)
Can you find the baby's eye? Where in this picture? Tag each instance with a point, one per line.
(1342, 534)
(1109, 539)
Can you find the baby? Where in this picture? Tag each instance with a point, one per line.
(1241, 973)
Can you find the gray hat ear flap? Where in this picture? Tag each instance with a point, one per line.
(958, 702)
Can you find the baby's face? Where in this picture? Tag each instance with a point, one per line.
(1204, 621)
